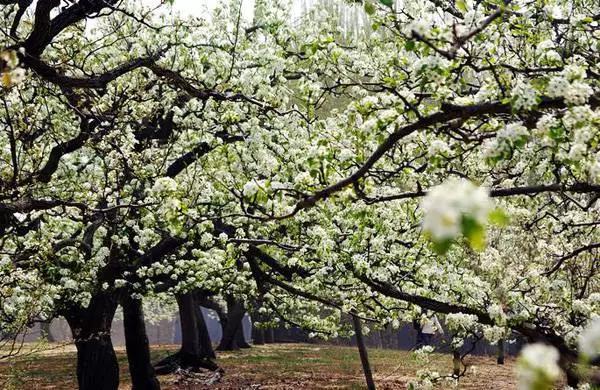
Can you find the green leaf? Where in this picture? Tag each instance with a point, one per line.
(410, 45)
(474, 232)
(498, 217)
(389, 3)
(369, 8)
(442, 246)
(461, 5)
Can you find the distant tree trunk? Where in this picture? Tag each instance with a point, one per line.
(205, 301)
(46, 332)
(258, 335)
(456, 363)
(572, 376)
(97, 366)
(269, 335)
(231, 339)
(196, 349)
(138, 350)
(500, 358)
(240, 336)
(362, 350)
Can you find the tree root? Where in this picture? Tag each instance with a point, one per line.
(186, 362)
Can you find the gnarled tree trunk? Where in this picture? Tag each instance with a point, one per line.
(233, 332)
(97, 367)
(138, 349)
(196, 349)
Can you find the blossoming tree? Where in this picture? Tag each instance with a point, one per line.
(445, 158)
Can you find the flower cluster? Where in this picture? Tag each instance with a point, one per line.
(454, 207)
(524, 96)
(508, 139)
(538, 367)
(570, 85)
(589, 340)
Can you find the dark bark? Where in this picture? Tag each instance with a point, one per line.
(206, 348)
(240, 336)
(269, 336)
(258, 335)
(142, 373)
(196, 349)
(97, 366)
(205, 301)
(500, 357)
(232, 329)
(572, 376)
(362, 350)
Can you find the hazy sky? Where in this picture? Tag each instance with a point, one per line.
(198, 7)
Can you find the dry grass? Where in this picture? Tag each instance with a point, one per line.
(276, 366)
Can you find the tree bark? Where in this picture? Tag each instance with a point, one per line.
(362, 350)
(206, 348)
(142, 372)
(572, 376)
(269, 336)
(456, 363)
(258, 335)
(97, 366)
(232, 331)
(196, 349)
(500, 358)
(240, 336)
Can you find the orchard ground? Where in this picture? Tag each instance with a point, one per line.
(274, 366)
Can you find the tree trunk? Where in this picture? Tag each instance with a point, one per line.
(206, 348)
(240, 337)
(362, 350)
(269, 336)
(500, 358)
(231, 338)
(258, 335)
(97, 366)
(138, 349)
(196, 349)
(572, 376)
(456, 363)
(46, 332)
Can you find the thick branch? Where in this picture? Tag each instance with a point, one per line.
(571, 255)
(448, 113)
(50, 74)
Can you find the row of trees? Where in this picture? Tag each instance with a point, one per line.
(446, 158)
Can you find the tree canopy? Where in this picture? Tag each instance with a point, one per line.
(444, 156)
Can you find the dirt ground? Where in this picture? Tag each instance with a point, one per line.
(274, 366)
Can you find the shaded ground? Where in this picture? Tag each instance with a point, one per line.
(276, 366)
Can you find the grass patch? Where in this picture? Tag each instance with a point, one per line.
(275, 366)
